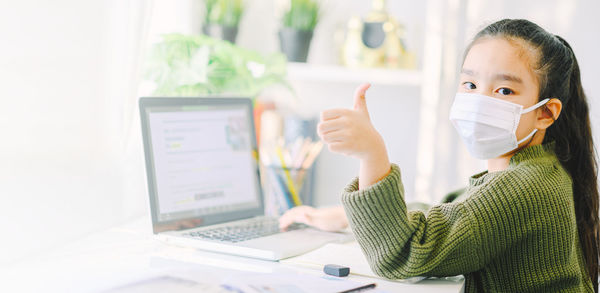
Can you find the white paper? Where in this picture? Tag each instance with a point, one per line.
(289, 283)
(349, 255)
(239, 283)
(166, 283)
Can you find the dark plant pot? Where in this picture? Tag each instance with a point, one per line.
(227, 33)
(295, 44)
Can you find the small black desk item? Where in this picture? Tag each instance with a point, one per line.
(361, 288)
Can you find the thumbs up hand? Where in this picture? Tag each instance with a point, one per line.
(360, 102)
(350, 131)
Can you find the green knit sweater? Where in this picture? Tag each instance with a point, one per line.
(515, 230)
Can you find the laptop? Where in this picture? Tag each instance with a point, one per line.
(204, 181)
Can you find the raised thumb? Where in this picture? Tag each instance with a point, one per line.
(360, 103)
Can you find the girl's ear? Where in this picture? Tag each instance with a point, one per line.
(548, 114)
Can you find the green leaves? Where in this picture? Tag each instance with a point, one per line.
(302, 15)
(193, 65)
(224, 12)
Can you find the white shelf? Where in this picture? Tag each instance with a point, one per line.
(335, 73)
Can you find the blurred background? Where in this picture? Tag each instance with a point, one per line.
(71, 157)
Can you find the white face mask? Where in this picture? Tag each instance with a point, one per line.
(488, 125)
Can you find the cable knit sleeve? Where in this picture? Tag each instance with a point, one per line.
(400, 244)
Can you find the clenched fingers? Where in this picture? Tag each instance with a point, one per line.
(333, 136)
(332, 125)
(334, 113)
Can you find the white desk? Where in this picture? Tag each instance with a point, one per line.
(126, 253)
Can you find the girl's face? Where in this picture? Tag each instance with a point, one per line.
(501, 69)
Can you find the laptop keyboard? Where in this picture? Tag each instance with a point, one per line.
(244, 231)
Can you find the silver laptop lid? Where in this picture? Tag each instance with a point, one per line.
(201, 161)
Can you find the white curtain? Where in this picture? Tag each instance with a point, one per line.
(443, 165)
(70, 153)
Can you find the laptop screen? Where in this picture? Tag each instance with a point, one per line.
(202, 161)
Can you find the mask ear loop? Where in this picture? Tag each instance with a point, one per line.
(546, 110)
(539, 104)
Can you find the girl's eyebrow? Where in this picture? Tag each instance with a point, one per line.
(468, 72)
(499, 76)
(508, 77)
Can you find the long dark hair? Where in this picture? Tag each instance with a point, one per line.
(558, 73)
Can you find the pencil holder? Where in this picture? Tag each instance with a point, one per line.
(285, 188)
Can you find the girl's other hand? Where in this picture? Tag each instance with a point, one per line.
(326, 219)
(350, 131)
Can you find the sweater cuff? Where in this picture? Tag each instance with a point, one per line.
(382, 186)
(380, 204)
(378, 219)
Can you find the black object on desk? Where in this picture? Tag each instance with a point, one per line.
(357, 289)
(336, 270)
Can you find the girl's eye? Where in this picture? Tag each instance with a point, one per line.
(469, 85)
(505, 91)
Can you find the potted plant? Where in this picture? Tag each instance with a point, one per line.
(298, 24)
(222, 18)
(197, 65)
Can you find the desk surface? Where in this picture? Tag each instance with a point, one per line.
(127, 253)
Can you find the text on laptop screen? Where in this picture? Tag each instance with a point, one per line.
(203, 159)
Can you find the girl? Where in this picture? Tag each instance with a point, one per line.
(528, 223)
